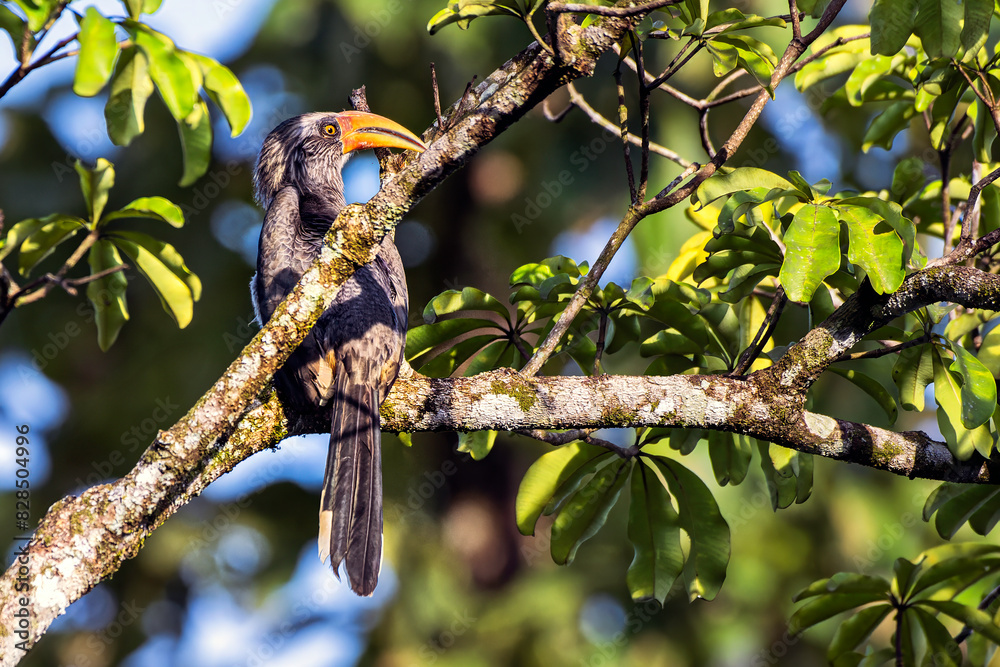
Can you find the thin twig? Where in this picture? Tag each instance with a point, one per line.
(24, 69)
(763, 334)
(793, 12)
(578, 100)
(706, 139)
(51, 280)
(644, 122)
(602, 332)
(529, 19)
(31, 292)
(437, 98)
(556, 438)
(555, 117)
(885, 350)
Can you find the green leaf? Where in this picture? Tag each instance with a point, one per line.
(477, 443)
(788, 474)
(40, 244)
(708, 556)
(665, 342)
(107, 294)
(954, 514)
(812, 251)
(586, 511)
(857, 629)
(225, 90)
(989, 350)
(730, 454)
(139, 7)
(164, 268)
(879, 254)
(979, 389)
(98, 49)
(873, 388)
(131, 86)
(37, 11)
(827, 606)
(546, 476)
(912, 372)
(152, 208)
(847, 583)
(939, 27)
(463, 12)
(170, 74)
(19, 232)
(943, 494)
(743, 178)
(892, 25)
(977, 619)
(961, 441)
(421, 340)
(95, 184)
(470, 298)
(941, 648)
(654, 531)
(445, 363)
(908, 179)
(887, 125)
(753, 56)
(14, 26)
(964, 569)
(196, 142)
(831, 63)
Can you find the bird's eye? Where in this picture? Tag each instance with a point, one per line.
(330, 129)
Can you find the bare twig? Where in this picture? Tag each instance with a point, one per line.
(602, 332)
(644, 123)
(763, 334)
(437, 97)
(31, 292)
(887, 348)
(578, 100)
(26, 68)
(623, 132)
(966, 248)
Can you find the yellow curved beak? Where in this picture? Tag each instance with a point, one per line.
(360, 130)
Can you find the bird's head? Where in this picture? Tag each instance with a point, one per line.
(309, 151)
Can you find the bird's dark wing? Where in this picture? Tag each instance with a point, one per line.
(366, 327)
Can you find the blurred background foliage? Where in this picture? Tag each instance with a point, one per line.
(233, 578)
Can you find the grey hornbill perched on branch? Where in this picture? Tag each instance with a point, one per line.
(352, 355)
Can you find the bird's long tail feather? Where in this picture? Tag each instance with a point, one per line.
(350, 517)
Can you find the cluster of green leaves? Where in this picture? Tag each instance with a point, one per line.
(930, 76)
(760, 209)
(674, 325)
(921, 594)
(135, 59)
(580, 483)
(36, 238)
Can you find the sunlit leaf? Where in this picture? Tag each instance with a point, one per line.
(98, 48)
(107, 294)
(546, 476)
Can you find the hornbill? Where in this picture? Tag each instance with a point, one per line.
(350, 359)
